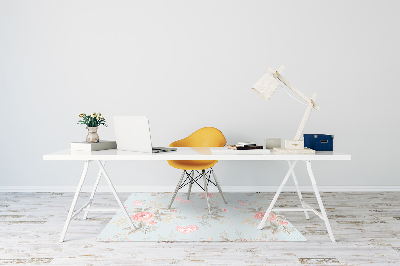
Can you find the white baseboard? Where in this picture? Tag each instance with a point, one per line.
(196, 189)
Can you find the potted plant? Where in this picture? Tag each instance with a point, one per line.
(92, 123)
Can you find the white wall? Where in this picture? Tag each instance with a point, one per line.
(189, 64)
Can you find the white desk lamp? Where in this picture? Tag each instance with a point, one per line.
(266, 86)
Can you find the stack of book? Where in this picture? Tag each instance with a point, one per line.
(98, 146)
(245, 146)
(240, 148)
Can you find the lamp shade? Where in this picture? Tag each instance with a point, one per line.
(266, 86)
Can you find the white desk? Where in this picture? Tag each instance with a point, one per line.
(194, 154)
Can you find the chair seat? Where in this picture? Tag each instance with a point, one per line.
(192, 164)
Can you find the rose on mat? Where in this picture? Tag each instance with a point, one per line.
(137, 202)
(210, 195)
(187, 229)
(260, 215)
(142, 216)
(282, 222)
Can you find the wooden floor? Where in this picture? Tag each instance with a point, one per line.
(366, 226)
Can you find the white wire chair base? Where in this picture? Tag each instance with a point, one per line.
(192, 179)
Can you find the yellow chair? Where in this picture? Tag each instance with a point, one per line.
(204, 137)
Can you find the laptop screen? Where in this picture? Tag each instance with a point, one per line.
(132, 133)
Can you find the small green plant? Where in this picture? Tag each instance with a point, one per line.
(93, 120)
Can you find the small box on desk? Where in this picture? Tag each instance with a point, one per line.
(318, 142)
(271, 143)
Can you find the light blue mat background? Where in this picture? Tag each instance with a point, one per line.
(188, 220)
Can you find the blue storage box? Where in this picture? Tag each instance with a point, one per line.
(318, 142)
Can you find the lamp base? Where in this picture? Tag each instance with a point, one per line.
(293, 151)
(294, 144)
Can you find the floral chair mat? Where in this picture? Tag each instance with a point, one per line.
(188, 220)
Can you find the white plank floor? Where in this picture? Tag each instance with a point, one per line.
(366, 226)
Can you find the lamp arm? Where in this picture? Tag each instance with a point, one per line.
(311, 102)
(305, 117)
(293, 88)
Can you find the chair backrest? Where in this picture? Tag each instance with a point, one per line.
(204, 137)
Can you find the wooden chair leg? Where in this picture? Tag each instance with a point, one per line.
(176, 189)
(206, 190)
(218, 186)
(190, 184)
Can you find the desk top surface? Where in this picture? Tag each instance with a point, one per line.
(186, 153)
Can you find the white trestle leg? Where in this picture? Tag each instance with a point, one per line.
(71, 209)
(299, 192)
(305, 206)
(86, 207)
(93, 192)
(261, 225)
(321, 205)
(128, 219)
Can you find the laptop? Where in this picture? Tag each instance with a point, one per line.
(133, 134)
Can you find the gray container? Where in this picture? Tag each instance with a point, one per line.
(271, 143)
